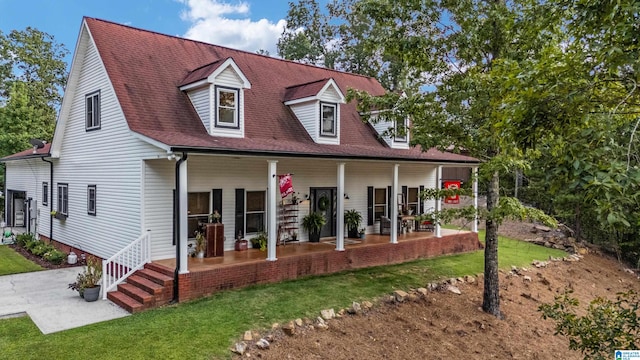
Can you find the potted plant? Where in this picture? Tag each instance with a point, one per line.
(352, 220)
(215, 217)
(201, 245)
(259, 241)
(361, 233)
(313, 223)
(241, 244)
(87, 283)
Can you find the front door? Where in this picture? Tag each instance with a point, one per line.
(324, 202)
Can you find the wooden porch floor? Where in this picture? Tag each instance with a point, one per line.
(294, 249)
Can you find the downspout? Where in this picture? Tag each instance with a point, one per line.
(50, 197)
(176, 221)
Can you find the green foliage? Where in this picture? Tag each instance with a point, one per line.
(260, 240)
(607, 326)
(22, 239)
(313, 222)
(41, 248)
(352, 219)
(55, 256)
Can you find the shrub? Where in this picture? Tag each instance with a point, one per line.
(30, 244)
(54, 256)
(40, 249)
(22, 239)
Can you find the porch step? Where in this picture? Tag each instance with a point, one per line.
(124, 301)
(137, 294)
(145, 284)
(159, 268)
(156, 277)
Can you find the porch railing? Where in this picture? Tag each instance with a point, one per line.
(125, 262)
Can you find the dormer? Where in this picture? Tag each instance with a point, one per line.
(317, 106)
(395, 133)
(216, 91)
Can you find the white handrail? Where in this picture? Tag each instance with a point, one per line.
(125, 262)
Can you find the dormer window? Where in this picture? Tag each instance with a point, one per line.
(328, 117)
(400, 131)
(226, 107)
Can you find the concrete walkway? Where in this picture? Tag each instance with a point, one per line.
(45, 297)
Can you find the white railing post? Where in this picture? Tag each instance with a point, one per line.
(125, 262)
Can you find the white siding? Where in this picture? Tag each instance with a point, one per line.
(204, 174)
(228, 77)
(28, 176)
(200, 99)
(309, 115)
(383, 126)
(108, 158)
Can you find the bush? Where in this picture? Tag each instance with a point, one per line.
(30, 244)
(22, 239)
(40, 249)
(607, 326)
(55, 256)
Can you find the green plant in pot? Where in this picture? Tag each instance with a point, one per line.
(313, 223)
(87, 283)
(352, 219)
(259, 241)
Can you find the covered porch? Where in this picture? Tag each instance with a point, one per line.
(242, 268)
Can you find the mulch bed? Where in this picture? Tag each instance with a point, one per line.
(38, 260)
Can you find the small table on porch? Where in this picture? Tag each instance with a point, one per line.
(406, 221)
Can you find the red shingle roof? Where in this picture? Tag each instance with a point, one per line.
(147, 68)
(304, 90)
(42, 152)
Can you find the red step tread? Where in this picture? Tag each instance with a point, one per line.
(136, 293)
(155, 276)
(125, 302)
(145, 284)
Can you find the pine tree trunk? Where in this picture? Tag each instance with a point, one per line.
(491, 296)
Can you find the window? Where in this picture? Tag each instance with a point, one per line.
(227, 107)
(328, 115)
(45, 194)
(412, 199)
(91, 199)
(197, 211)
(92, 111)
(379, 203)
(63, 199)
(255, 209)
(400, 130)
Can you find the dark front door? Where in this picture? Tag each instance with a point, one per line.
(324, 202)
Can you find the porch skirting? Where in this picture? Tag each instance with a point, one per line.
(207, 281)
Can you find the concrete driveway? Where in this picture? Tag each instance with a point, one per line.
(44, 296)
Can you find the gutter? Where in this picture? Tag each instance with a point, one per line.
(176, 222)
(50, 196)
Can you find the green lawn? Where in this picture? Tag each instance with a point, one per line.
(13, 263)
(206, 328)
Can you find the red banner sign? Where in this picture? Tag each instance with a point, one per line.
(286, 185)
(453, 185)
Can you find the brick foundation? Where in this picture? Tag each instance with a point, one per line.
(196, 284)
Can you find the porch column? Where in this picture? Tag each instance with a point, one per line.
(340, 209)
(474, 174)
(438, 201)
(394, 206)
(184, 223)
(272, 190)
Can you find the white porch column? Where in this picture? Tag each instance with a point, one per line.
(438, 201)
(474, 173)
(272, 190)
(184, 223)
(394, 206)
(340, 209)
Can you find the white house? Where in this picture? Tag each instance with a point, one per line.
(156, 132)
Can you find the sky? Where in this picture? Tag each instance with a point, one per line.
(247, 25)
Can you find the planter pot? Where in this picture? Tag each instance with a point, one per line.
(241, 245)
(353, 233)
(60, 216)
(92, 294)
(361, 235)
(255, 245)
(314, 237)
(200, 254)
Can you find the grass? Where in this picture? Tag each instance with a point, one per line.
(14, 263)
(206, 328)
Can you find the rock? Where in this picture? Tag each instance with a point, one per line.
(460, 280)
(542, 228)
(341, 313)
(356, 307)
(514, 268)
(422, 291)
(413, 297)
(539, 264)
(275, 326)
(470, 279)
(298, 322)
(452, 281)
(321, 324)
(547, 244)
(240, 348)
(432, 286)
(270, 338)
(367, 305)
(327, 314)
(289, 328)
(454, 289)
(629, 271)
(262, 344)
(526, 278)
(400, 295)
(248, 336)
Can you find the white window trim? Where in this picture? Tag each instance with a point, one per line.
(246, 212)
(96, 122)
(236, 113)
(90, 189)
(399, 138)
(45, 194)
(335, 120)
(63, 199)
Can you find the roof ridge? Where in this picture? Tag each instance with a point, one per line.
(230, 48)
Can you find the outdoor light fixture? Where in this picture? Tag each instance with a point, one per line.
(346, 197)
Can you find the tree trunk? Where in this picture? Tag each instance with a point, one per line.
(491, 296)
